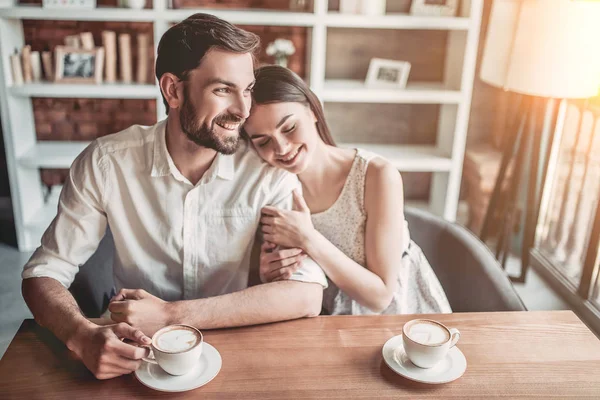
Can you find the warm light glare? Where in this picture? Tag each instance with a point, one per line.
(548, 48)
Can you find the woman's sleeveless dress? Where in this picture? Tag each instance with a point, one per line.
(343, 224)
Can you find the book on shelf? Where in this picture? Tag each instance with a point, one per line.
(143, 41)
(109, 41)
(72, 41)
(125, 57)
(16, 68)
(87, 41)
(36, 66)
(47, 65)
(27, 73)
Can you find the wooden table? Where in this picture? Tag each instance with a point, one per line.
(511, 355)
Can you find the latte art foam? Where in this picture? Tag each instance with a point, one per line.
(177, 340)
(428, 333)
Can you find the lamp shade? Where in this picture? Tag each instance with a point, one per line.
(548, 48)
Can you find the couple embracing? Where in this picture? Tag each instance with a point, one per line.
(243, 155)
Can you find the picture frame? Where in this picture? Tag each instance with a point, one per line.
(350, 6)
(439, 8)
(69, 4)
(388, 73)
(75, 65)
(7, 3)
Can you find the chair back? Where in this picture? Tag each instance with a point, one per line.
(470, 275)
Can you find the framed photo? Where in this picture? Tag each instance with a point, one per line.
(350, 6)
(7, 3)
(388, 73)
(441, 8)
(69, 3)
(78, 65)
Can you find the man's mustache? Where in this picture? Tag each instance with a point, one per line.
(223, 119)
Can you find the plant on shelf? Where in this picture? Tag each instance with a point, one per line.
(281, 49)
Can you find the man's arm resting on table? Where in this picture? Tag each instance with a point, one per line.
(269, 302)
(99, 347)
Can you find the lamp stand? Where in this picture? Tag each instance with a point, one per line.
(522, 145)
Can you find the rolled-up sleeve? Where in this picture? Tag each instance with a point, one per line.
(309, 271)
(80, 222)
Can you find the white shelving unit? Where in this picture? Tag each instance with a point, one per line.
(108, 91)
(34, 209)
(351, 91)
(409, 158)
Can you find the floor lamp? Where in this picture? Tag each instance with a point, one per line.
(546, 51)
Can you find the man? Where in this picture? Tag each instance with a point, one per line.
(183, 205)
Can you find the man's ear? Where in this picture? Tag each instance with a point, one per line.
(171, 89)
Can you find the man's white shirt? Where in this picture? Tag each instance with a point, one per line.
(174, 239)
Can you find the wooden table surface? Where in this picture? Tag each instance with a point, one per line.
(513, 355)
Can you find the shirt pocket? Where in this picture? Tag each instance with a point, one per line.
(230, 234)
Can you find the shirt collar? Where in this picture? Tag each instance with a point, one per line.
(162, 164)
(160, 159)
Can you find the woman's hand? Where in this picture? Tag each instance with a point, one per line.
(288, 228)
(276, 265)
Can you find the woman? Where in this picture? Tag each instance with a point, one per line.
(350, 220)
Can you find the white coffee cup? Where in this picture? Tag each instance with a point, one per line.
(426, 342)
(176, 348)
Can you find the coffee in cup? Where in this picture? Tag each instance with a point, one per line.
(176, 348)
(176, 339)
(426, 342)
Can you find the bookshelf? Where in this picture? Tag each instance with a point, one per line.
(34, 208)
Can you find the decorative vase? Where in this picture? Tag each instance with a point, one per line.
(281, 60)
(372, 7)
(350, 6)
(134, 4)
(298, 5)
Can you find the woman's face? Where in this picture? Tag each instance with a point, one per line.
(283, 134)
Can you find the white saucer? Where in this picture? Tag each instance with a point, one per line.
(209, 365)
(449, 369)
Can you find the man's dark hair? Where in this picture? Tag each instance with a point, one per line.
(184, 45)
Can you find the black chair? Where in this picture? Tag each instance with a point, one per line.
(93, 286)
(470, 275)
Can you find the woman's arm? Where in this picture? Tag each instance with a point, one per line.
(373, 286)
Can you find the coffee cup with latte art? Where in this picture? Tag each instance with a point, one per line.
(176, 348)
(426, 342)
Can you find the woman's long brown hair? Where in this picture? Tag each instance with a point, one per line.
(276, 84)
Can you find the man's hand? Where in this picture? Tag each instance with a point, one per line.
(276, 265)
(140, 309)
(104, 353)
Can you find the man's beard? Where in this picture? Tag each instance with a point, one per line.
(205, 135)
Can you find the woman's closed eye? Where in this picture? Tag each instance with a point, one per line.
(264, 142)
(267, 140)
(289, 130)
